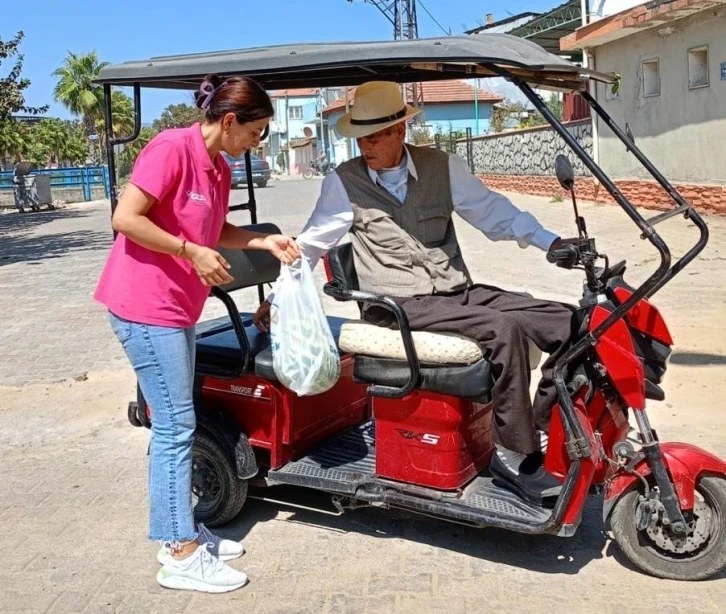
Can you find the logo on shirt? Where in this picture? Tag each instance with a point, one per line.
(199, 198)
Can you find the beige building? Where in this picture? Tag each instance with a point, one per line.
(671, 55)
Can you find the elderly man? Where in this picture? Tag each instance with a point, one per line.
(397, 202)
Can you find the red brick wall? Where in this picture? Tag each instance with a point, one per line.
(649, 194)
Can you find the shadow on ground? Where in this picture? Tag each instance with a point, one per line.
(697, 359)
(21, 239)
(542, 554)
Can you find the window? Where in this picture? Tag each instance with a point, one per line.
(698, 67)
(651, 78)
(296, 112)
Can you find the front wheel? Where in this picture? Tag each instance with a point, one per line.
(307, 173)
(219, 493)
(655, 550)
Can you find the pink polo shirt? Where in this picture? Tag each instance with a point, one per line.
(192, 201)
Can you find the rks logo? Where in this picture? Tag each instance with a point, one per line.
(428, 438)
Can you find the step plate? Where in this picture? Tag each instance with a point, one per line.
(339, 465)
(342, 465)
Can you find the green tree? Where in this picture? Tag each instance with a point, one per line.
(75, 88)
(12, 98)
(132, 150)
(57, 141)
(122, 117)
(504, 111)
(178, 116)
(14, 137)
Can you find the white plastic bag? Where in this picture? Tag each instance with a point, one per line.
(304, 355)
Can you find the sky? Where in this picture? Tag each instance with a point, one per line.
(139, 29)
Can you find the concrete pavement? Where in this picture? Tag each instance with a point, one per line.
(74, 509)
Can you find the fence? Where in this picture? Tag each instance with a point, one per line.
(66, 184)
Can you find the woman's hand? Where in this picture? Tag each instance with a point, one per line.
(209, 264)
(283, 248)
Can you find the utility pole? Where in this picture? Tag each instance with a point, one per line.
(402, 15)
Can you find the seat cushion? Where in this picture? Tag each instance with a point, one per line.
(358, 337)
(218, 348)
(473, 381)
(361, 338)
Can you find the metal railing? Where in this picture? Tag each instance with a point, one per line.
(83, 178)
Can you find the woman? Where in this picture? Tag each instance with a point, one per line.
(170, 219)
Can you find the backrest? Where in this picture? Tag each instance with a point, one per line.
(251, 267)
(341, 267)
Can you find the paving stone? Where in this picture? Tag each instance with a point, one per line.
(75, 496)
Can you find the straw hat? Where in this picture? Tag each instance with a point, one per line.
(377, 105)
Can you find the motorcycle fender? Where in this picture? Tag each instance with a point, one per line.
(234, 441)
(684, 462)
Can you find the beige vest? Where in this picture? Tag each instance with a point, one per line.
(410, 248)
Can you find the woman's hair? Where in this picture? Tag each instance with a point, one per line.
(239, 95)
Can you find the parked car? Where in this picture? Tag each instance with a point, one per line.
(260, 170)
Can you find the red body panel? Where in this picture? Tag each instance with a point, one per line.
(684, 462)
(615, 350)
(276, 419)
(645, 317)
(573, 512)
(432, 440)
(609, 421)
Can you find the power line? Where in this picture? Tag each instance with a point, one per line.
(444, 30)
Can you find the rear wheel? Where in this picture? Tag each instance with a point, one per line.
(219, 493)
(262, 184)
(655, 550)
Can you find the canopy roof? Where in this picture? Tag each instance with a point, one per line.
(353, 63)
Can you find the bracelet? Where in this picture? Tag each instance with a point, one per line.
(182, 248)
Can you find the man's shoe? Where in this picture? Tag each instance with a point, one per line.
(531, 482)
(200, 571)
(223, 549)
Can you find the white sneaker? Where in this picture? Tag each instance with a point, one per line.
(223, 549)
(200, 571)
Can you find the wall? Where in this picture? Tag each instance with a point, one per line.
(523, 161)
(682, 131)
(296, 126)
(527, 152)
(444, 118)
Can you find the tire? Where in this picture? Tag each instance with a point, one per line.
(644, 553)
(307, 174)
(262, 184)
(223, 494)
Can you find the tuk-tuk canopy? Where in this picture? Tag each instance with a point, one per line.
(353, 63)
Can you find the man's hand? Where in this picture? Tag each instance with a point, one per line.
(563, 252)
(283, 248)
(209, 264)
(261, 318)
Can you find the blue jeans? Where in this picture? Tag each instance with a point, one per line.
(163, 359)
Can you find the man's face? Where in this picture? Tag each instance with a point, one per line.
(383, 149)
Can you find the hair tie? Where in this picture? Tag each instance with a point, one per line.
(208, 89)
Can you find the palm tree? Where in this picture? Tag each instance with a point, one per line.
(122, 117)
(75, 89)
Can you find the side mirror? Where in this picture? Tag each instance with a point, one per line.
(565, 173)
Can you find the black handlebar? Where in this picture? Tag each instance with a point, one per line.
(566, 256)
